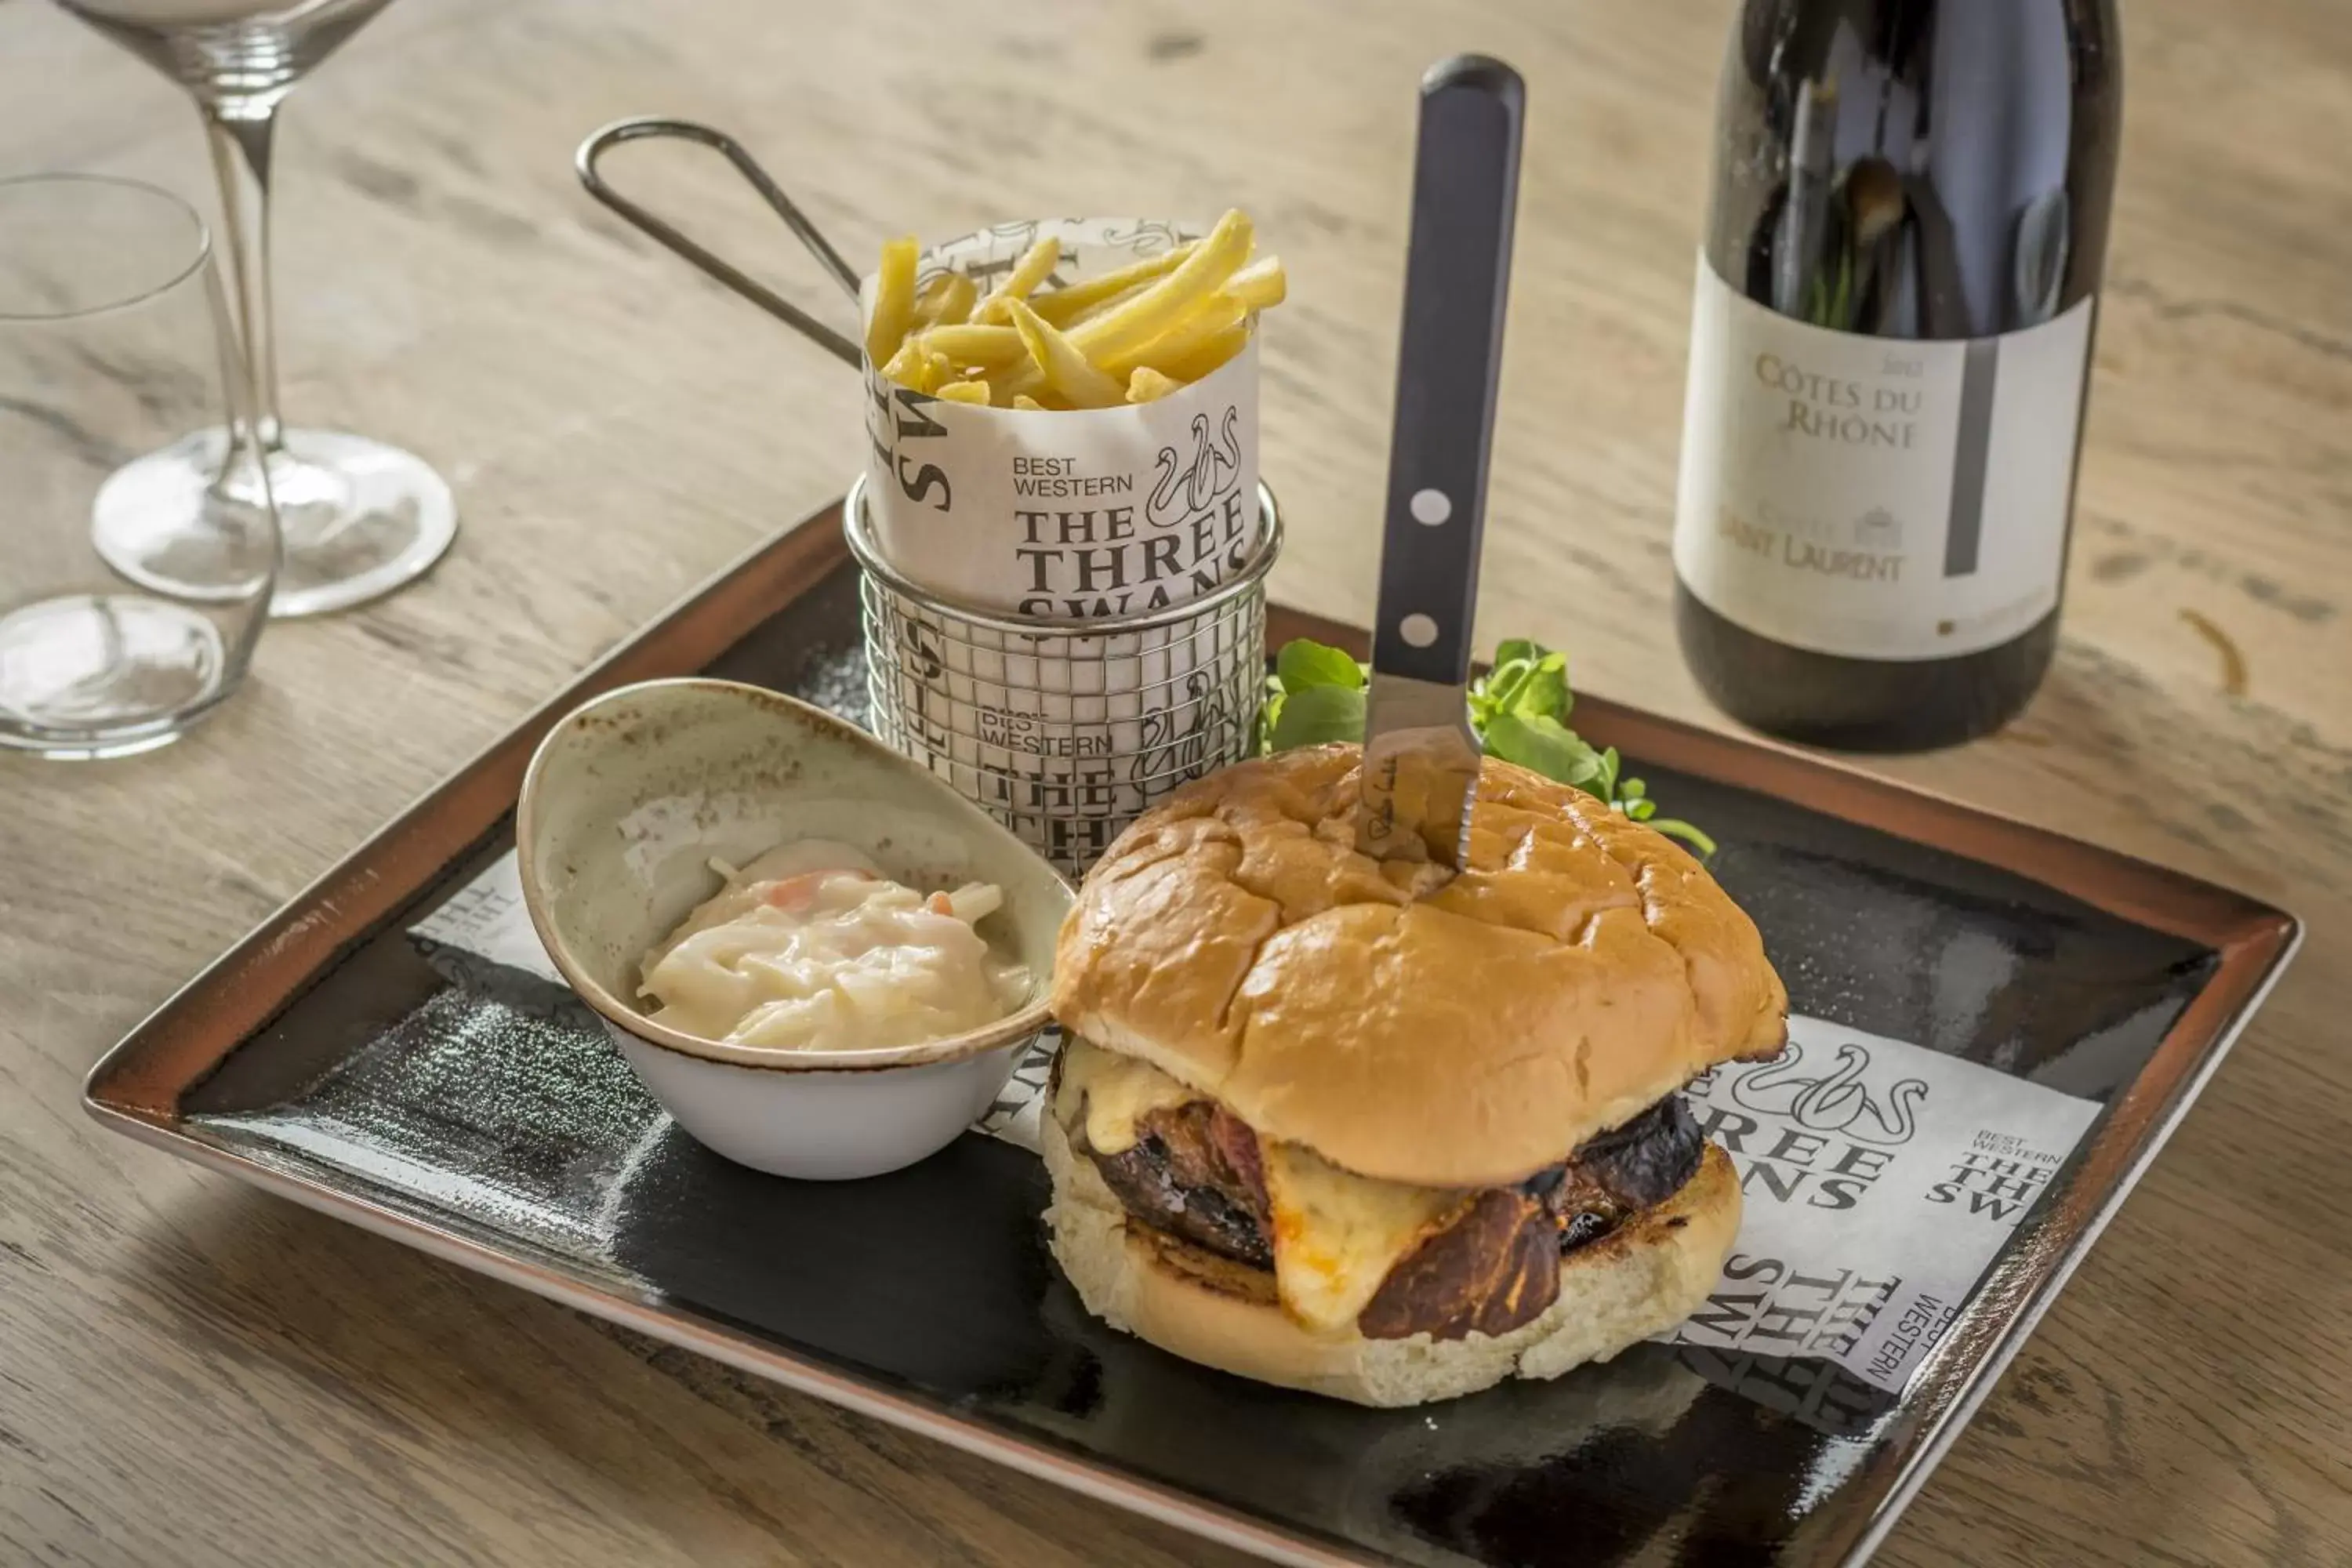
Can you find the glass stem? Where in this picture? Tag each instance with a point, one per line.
(240, 131)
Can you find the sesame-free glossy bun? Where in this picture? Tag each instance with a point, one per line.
(1578, 968)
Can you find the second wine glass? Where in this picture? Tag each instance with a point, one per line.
(360, 517)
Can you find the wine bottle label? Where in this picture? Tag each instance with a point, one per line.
(1878, 498)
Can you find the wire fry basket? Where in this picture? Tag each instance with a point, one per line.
(1065, 731)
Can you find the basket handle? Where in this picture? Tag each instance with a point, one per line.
(592, 149)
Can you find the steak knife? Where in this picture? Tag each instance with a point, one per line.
(1421, 756)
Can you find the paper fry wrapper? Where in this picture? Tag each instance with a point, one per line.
(1097, 514)
(1065, 610)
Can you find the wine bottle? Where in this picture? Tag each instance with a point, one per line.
(1889, 352)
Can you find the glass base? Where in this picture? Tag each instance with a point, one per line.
(105, 675)
(358, 519)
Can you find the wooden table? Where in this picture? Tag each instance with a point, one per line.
(192, 1373)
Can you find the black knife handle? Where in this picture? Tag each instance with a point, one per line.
(1466, 185)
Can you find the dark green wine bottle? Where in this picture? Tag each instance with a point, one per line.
(1889, 353)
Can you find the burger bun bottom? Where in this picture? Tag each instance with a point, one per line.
(1639, 1280)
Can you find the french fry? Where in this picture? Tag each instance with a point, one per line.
(965, 345)
(1013, 379)
(1113, 303)
(919, 369)
(1203, 359)
(1130, 335)
(1064, 306)
(1148, 386)
(1064, 369)
(946, 300)
(1260, 286)
(906, 366)
(1136, 322)
(894, 301)
(1036, 265)
(1180, 342)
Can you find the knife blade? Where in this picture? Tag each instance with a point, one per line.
(1421, 762)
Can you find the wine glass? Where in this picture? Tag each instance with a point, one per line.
(359, 517)
(114, 333)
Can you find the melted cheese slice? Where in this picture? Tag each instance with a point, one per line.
(1118, 1092)
(1337, 1235)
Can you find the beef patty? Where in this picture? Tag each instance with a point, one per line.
(1193, 1172)
(1490, 1265)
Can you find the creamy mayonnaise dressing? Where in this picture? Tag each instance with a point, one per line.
(811, 948)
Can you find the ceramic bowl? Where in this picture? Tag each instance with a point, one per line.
(627, 801)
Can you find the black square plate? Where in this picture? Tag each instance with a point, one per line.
(327, 1059)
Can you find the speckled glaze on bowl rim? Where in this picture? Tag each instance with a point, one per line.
(1029, 1020)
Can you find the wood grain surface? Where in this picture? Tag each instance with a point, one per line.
(193, 1373)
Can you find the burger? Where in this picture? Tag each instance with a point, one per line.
(1384, 1130)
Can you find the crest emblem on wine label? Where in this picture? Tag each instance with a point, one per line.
(1878, 528)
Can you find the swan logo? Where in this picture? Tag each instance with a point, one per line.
(1833, 1098)
(1878, 528)
(1191, 533)
(1191, 481)
(1174, 747)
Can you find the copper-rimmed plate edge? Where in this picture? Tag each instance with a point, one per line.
(2255, 941)
(1940, 1428)
(184, 1039)
(137, 1086)
(2109, 880)
(690, 1331)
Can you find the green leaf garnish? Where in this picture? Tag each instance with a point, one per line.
(1303, 663)
(1545, 745)
(1519, 707)
(1317, 715)
(1674, 827)
(1513, 649)
(1544, 688)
